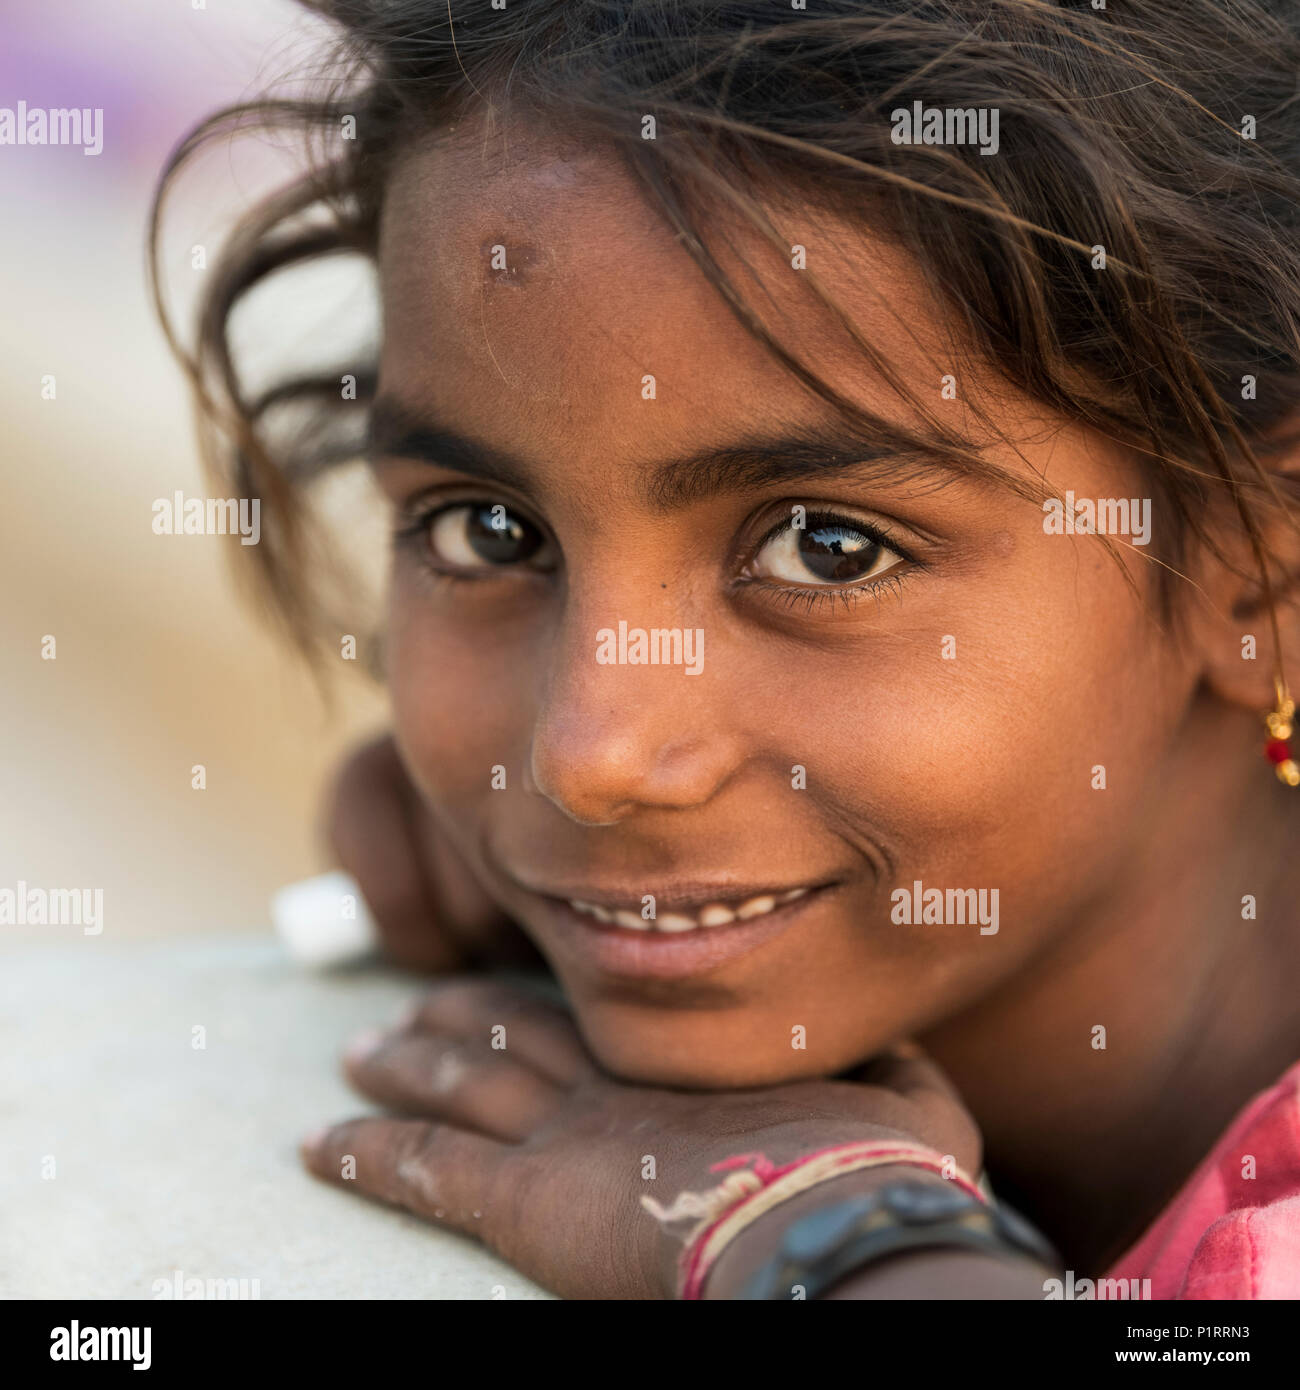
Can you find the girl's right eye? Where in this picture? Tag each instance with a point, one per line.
(479, 536)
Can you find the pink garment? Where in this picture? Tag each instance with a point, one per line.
(1226, 1235)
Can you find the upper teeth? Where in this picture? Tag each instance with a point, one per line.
(711, 915)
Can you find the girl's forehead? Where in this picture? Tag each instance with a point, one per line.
(531, 290)
(534, 259)
(477, 217)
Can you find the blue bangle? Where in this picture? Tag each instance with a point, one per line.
(823, 1247)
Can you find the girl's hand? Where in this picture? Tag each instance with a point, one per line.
(431, 913)
(514, 1136)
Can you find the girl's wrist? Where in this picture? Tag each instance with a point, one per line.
(755, 1245)
(749, 1187)
(1013, 1264)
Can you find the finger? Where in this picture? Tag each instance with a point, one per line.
(908, 1070)
(460, 1081)
(371, 829)
(536, 1032)
(435, 1171)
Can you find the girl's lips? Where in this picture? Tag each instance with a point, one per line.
(642, 952)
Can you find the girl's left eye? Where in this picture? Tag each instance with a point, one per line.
(826, 550)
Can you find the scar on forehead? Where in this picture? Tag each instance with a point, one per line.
(508, 261)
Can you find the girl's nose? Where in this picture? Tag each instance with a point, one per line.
(611, 739)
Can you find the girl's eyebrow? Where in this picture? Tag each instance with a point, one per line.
(395, 432)
(804, 454)
(761, 461)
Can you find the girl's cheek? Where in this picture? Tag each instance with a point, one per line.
(1006, 720)
(455, 691)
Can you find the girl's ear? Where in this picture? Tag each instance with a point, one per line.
(1234, 630)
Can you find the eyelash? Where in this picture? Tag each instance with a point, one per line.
(414, 535)
(849, 594)
(415, 532)
(818, 594)
(410, 535)
(416, 527)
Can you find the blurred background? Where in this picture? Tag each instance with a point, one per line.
(162, 662)
(156, 1077)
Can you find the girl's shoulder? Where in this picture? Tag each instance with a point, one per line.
(1233, 1231)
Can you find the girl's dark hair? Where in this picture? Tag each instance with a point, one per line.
(1166, 133)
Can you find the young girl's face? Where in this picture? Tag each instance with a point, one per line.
(917, 685)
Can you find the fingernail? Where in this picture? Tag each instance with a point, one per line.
(410, 1014)
(310, 1143)
(364, 1045)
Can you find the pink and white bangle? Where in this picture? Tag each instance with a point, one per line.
(756, 1185)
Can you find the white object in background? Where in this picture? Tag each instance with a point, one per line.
(324, 921)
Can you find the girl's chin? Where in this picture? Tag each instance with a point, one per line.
(697, 1058)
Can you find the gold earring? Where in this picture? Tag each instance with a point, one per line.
(1281, 725)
